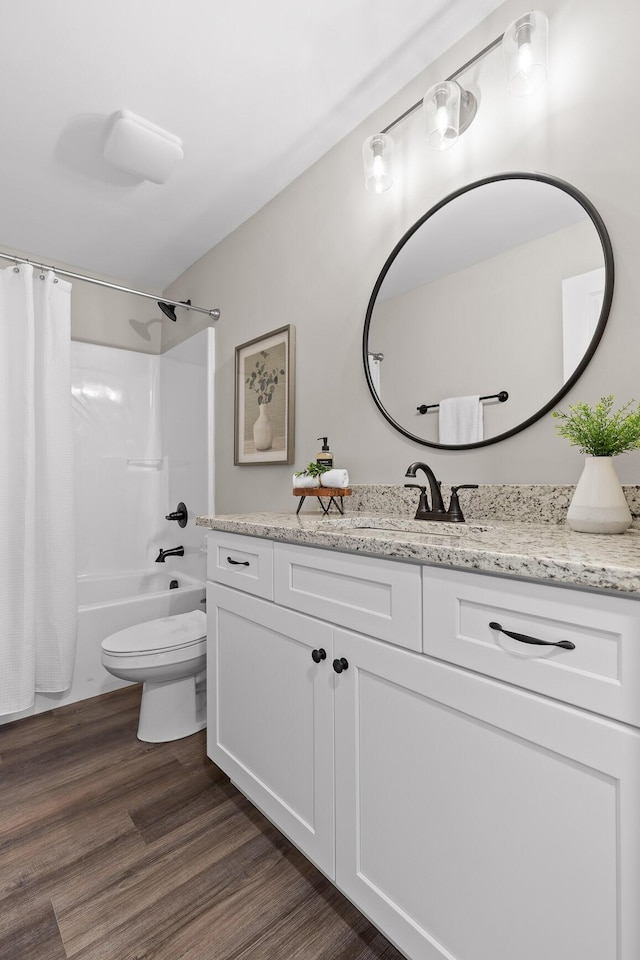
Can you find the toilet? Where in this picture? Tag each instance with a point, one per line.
(168, 656)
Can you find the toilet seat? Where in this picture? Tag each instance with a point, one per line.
(165, 635)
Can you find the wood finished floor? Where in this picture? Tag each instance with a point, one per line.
(113, 849)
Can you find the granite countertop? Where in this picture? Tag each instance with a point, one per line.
(549, 552)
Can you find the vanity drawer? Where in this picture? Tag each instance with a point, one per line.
(381, 598)
(245, 563)
(602, 672)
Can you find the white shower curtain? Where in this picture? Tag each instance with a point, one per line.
(38, 606)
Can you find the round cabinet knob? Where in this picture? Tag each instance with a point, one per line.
(341, 664)
(318, 655)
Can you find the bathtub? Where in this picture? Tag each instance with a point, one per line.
(141, 587)
(111, 602)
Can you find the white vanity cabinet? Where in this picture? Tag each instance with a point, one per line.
(469, 817)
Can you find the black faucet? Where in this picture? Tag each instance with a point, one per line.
(174, 552)
(436, 511)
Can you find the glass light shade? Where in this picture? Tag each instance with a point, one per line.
(525, 46)
(377, 153)
(441, 107)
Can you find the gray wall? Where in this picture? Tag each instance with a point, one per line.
(311, 256)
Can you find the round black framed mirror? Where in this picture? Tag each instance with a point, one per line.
(501, 293)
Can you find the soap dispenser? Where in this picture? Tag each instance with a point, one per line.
(325, 457)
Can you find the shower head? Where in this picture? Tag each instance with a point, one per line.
(169, 310)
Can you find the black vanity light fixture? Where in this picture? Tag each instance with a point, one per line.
(449, 109)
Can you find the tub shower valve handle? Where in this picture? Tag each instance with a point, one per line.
(180, 514)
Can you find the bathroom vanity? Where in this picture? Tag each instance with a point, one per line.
(475, 794)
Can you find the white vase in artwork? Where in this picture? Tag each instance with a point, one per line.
(598, 504)
(262, 429)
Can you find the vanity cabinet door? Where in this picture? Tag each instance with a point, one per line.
(476, 821)
(270, 714)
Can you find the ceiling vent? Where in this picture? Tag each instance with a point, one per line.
(141, 148)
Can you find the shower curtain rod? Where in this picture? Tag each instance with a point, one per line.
(214, 314)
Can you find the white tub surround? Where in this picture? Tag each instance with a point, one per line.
(142, 429)
(458, 752)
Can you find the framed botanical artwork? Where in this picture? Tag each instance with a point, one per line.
(264, 398)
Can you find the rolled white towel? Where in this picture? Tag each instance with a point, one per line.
(303, 482)
(335, 478)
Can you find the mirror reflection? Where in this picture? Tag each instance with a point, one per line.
(503, 288)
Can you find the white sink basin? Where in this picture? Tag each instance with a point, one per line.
(389, 525)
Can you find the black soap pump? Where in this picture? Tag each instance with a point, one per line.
(325, 457)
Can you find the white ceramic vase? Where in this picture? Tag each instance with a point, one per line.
(262, 429)
(598, 504)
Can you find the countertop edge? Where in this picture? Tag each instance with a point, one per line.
(549, 553)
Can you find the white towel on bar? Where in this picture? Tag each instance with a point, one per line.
(335, 478)
(460, 420)
(301, 483)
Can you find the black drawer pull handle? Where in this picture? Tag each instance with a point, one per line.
(238, 563)
(523, 638)
(318, 655)
(340, 665)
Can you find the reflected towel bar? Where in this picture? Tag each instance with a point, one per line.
(502, 396)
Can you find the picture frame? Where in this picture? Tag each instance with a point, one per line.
(264, 399)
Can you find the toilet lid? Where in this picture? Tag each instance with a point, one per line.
(167, 633)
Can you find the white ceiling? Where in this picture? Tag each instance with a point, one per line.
(256, 90)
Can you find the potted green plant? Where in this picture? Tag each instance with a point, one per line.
(599, 504)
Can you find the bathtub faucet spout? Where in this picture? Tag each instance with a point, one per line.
(174, 552)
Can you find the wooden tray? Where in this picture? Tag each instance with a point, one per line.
(322, 491)
(333, 493)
